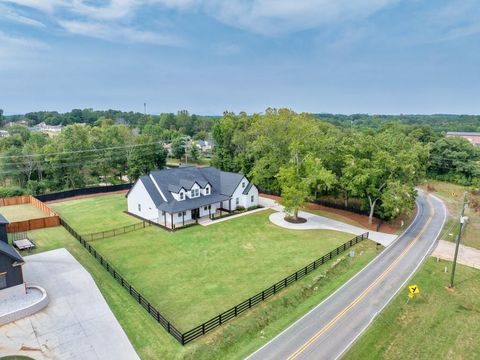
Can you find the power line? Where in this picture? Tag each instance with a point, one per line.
(83, 151)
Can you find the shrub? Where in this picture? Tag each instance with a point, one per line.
(12, 191)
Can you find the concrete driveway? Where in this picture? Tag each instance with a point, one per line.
(77, 323)
(322, 223)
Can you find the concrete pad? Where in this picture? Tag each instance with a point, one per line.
(77, 324)
(468, 256)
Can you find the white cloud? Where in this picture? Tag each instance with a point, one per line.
(118, 33)
(11, 15)
(280, 16)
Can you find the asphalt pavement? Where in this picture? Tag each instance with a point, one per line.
(329, 329)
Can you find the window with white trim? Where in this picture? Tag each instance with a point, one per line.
(181, 195)
(237, 201)
(139, 207)
(197, 192)
(243, 184)
(192, 193)
(207, 190)
(179, 214)
(252, 198)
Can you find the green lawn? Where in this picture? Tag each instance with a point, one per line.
(437, 324)
(193, 274)
(452, 195)
(103, 212)
(21, 212)
(236, 339)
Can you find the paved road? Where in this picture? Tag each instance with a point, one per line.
(330, 328)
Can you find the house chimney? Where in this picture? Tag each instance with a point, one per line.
(3, 229)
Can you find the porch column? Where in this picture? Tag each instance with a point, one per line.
(165, 218)
(171, 224)
(209, 211)
(183, 218)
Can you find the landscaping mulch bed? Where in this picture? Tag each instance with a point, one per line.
(298, 220)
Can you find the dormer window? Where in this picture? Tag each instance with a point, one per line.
(181, 196)
(243, 184)
(207, 191)
(197, 192)
(192, 193)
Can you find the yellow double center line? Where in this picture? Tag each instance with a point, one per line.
(366, 291)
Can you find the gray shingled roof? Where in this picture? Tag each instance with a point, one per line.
(152, 190)
(223, 185)
(177, 206)
(9, 251)
(247, 189)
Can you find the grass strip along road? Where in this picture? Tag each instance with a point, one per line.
(330, 328)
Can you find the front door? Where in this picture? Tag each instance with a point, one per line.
(195, 214)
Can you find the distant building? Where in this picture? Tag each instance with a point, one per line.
(473, 137)
(204, 145)
(46, 129)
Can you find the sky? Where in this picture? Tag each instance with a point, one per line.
(210, 56)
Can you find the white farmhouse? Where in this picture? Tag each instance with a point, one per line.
(175, 197)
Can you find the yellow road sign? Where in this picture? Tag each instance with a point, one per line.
(413, 289)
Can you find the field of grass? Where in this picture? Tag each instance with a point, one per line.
(194, 274)
(437, 324)
(21, 212)
(99, 213)
(452, 195)
(236, 339)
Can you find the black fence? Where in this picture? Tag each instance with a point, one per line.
(117, 231)
(172, 330)
(84, 191)
(202, 329)
(235, 311)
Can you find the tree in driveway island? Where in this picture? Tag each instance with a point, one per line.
(301, 176)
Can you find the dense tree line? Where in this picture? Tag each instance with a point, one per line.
(187, 124)
(377, 160)
(79, 156)
(304, 158)
(438, 122)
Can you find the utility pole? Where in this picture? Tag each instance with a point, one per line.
(457, 239)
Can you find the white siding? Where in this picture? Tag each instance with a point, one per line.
(178, 219)
(248, 198)
(243, 200)
(177, 196)
(139, 196)
(195, 187)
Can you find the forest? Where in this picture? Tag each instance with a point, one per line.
(376, 161)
